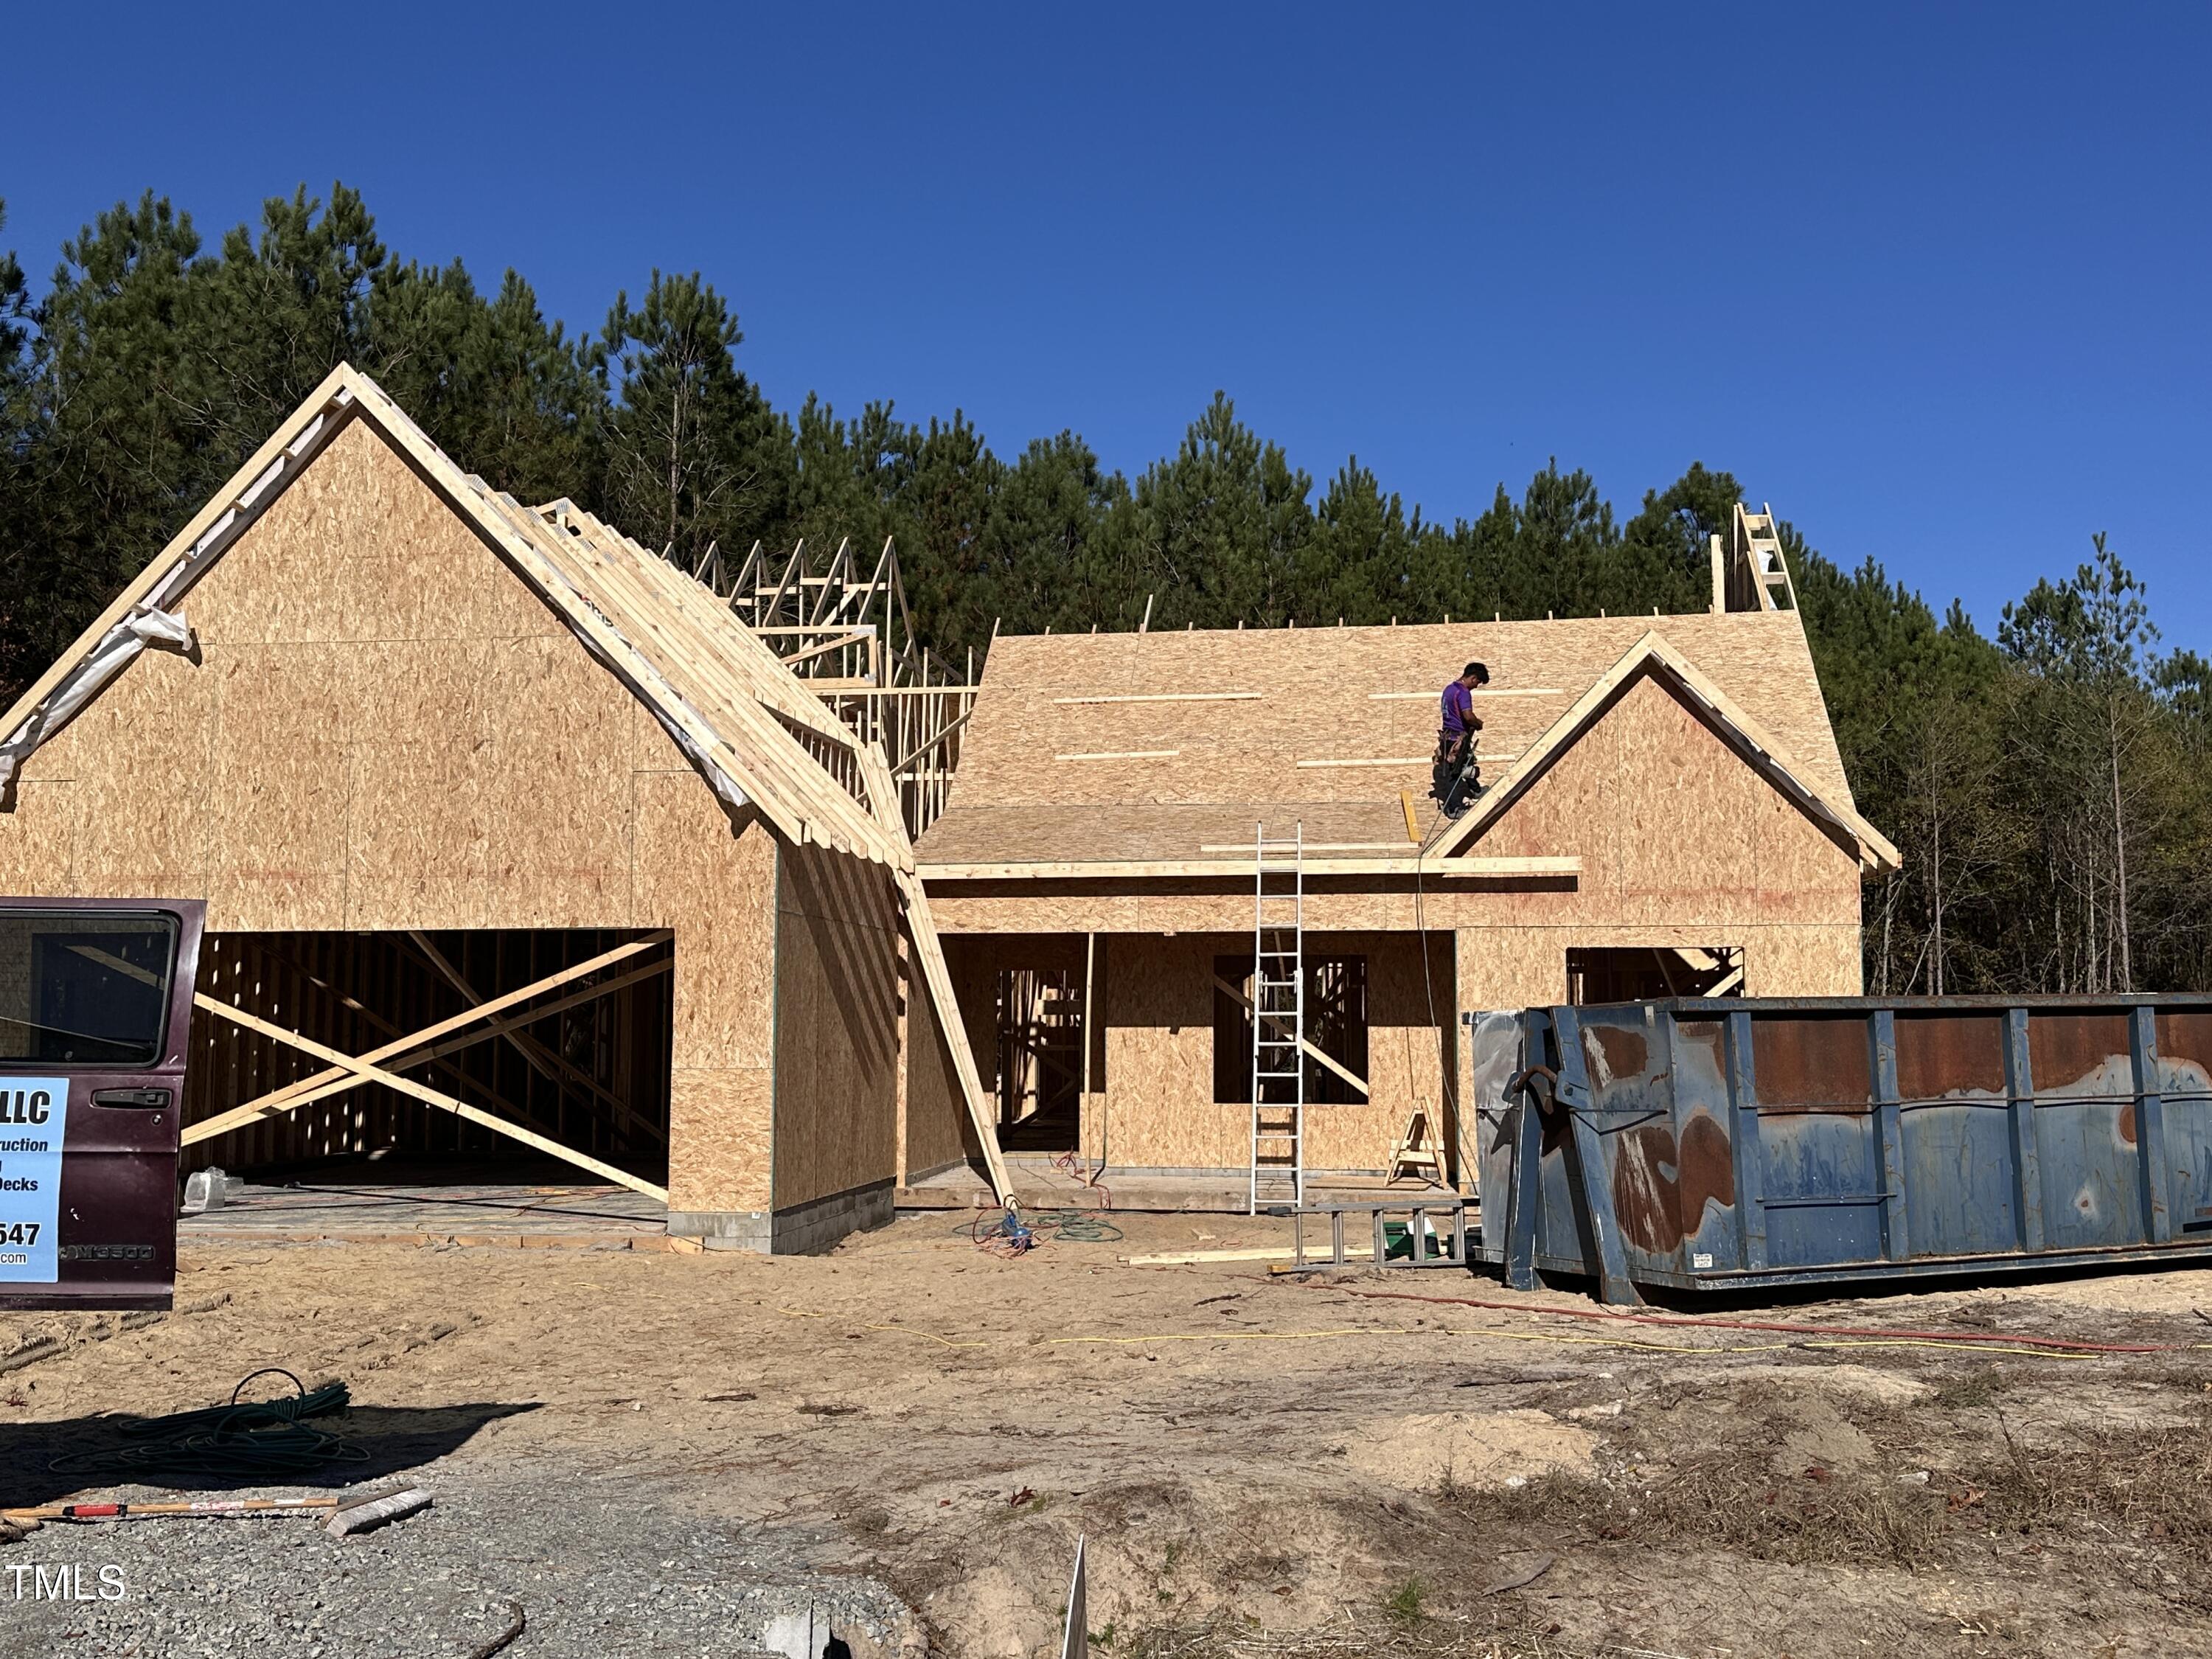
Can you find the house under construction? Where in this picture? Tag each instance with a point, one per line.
(511, 833)
(1155, 842)
(719, 886)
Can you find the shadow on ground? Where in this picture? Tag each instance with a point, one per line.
(385, 1441)
(1994, 1276)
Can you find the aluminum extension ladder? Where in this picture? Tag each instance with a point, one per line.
(1278, 1020)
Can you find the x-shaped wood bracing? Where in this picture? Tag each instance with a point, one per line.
(351, 1070)
(548, 1062)
(1312, 1051)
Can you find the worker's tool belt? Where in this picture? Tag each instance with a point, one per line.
(1456, 774)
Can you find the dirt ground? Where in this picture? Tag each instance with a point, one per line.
(1259, 1464)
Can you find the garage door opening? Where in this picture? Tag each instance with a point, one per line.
(426, 1059)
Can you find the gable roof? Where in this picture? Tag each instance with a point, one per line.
(755, 734)
(1168, 746)
(1652, 655)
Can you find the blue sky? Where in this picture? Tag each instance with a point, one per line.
(1935, 282)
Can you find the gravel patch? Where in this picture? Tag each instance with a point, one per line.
(595, 1572)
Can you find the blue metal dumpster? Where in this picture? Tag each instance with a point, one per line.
(1726, 1144)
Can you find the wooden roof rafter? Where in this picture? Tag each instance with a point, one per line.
(684, 620)
(787, 600)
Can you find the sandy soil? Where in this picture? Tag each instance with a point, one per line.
(1258, 1463)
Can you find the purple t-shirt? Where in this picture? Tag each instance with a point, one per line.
(1459, 708)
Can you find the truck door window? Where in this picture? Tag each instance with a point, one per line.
(82, 988)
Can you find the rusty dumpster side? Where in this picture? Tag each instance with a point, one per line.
(1736, 1143)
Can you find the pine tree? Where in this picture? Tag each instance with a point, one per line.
(1220, 528)
(1050, 543)
(944, 509)
(1665, 559)
(19, 441)
(505, 393)
(123, 419)
(690, 440)
(1358, 562)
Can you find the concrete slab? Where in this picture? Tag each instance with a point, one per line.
(522, 1216)
(1043, 1184)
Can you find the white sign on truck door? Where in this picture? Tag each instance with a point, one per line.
(34, 1120)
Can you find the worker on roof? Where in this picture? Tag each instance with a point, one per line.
(1455, 776)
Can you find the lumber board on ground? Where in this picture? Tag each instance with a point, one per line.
(1263, 1253)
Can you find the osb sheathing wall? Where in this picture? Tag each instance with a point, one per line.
(837, 1025)
(1681, 842)
(387, 729)
(1157, 1110)
(934, 1121)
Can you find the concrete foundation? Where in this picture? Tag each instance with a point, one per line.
(803, 1229)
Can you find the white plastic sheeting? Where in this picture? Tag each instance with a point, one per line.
(146, 625)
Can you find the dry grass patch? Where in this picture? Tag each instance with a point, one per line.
(2146, 1490)
(1430, 1636)
(1721, 1499)
(2151, 1489)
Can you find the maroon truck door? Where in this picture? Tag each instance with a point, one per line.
(95, 1010)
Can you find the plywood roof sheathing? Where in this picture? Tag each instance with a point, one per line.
(1201, 734)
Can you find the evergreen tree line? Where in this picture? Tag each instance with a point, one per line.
(2049, 788)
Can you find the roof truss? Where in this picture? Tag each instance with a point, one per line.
(851, 640)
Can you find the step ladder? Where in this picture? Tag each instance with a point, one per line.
(1760, 573)
(1278, 1020)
